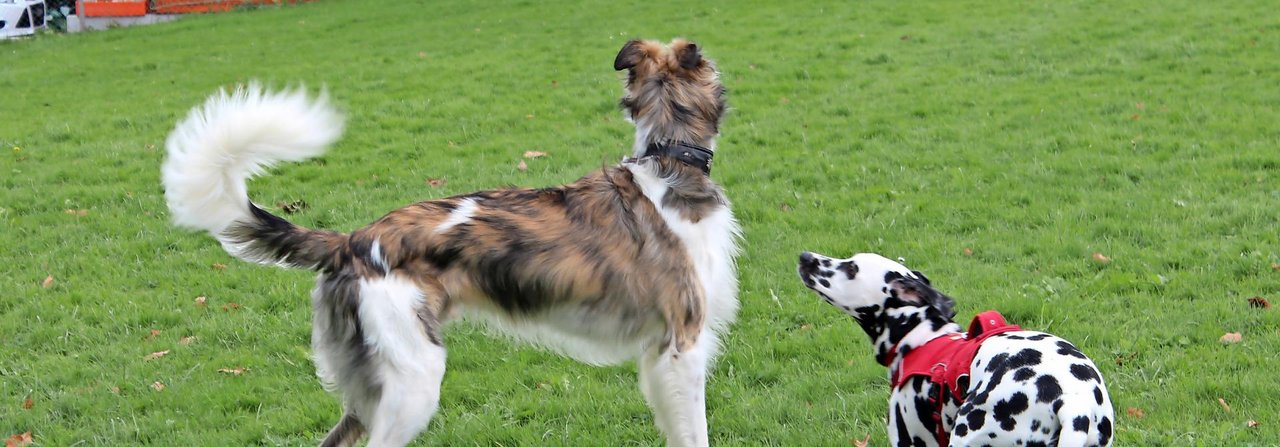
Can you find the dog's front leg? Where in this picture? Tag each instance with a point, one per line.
(674, 383)
(911, 414)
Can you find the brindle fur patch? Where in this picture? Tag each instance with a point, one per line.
(598, 242)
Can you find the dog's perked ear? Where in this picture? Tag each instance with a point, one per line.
(688, 55)
(628, 56)
(919, 291)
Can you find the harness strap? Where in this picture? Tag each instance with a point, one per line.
(944, 360)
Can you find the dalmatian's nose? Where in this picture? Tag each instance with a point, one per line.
(808, 263)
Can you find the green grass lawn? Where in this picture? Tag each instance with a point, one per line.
(995, 145)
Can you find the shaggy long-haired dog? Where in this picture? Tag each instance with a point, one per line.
(634, 261)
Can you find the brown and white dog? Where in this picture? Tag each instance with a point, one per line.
(634, 261)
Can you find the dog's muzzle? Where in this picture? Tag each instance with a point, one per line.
(807, 268)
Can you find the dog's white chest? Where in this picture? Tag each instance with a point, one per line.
(711, 244)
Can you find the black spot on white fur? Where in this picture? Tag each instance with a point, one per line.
(1047, 389)
(1024, 374)
(1067, 349)
(849, 268)
(1085, 373)
(1006, 410)
(1080, 423)
(1104, 431)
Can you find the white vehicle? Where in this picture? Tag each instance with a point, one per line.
(21, 17)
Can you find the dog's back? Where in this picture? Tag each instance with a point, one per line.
(1036, 388)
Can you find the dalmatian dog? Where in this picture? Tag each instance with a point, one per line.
(994, 385)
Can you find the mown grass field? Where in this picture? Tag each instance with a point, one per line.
(996, 147)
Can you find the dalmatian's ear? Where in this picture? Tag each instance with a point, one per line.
(922, 277)
(919, 291)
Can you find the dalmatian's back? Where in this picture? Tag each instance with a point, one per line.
(1034, 387)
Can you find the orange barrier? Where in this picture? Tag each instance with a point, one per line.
(112, 8)
(196, 6)
(138, 8)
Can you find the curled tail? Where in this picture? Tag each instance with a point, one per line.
(231, 138)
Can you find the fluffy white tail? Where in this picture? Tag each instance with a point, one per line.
(235, 136)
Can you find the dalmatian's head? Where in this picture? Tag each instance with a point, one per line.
(868, 285)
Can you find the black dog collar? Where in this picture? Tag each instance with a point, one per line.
(690, 154)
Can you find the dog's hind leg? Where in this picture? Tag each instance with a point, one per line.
(1084, 425)
(345, 434)
(674, 383)
(406, 357)
(409, 399)
(340, 354)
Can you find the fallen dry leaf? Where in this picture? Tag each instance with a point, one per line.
(522, 166)
(155, 355)
(1101, 258)
(231, 306)
(1259, 302)
(293, 207)
(186, 340)
(200, 301)
(1125, 358)
(806, 326)
(219, 266)
(1136, 413)
(77, 212)
(862, 443)
(233, 371)
(27, 404)
(422, 54)
(1231, 337)
(157, 385)
(1251, 424)
(48, 282)
(534, 154)
(115, 390)
(1141, 106)
(1275, 266)
(968, 251)
(20, 440)
(785, 207)
(436, 182)
(1135, 117)
(1224, 405)
(154, 333)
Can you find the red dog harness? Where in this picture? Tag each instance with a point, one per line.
(944, 360)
